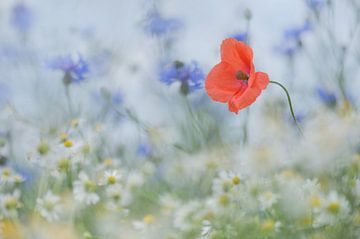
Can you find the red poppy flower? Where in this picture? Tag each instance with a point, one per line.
(234, 80)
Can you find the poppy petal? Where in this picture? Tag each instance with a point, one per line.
(237, 54)
(261, 80)
(242, 100)
(221, 83)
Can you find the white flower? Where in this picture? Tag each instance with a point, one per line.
(85, 190)
(8, 176)
(61, 167)
(267, 200)
(145, 224)
(222, 184)
(118, 197)
(108, 164)
(9, 204)
(168, 203)
(49, 206)
(111, 177)
(334, 209)
(205, 230)
(183, 215)
(135, 179)
(311, 187)
(148, 168)
(270, 225)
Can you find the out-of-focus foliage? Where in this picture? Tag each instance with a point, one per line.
(108, 136)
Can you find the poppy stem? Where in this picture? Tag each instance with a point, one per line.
(290, 104)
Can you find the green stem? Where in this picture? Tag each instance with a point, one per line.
(68, 99)
(290, 104)
(245, 126)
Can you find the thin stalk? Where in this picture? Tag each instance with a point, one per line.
(245, 127)
(68, 99)
(290, 104)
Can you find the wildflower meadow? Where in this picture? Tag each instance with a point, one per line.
(179, 119)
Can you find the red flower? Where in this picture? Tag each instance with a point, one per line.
(234, 80)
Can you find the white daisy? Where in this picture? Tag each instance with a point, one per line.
(8, 176)
(267, 200)
(135, 179)
(9, 204)
(85, 190)
(49, 206)
(222, 184)
(145, 224)
(111, 177)
(118, 197)
(334, 208)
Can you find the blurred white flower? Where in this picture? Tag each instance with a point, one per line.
(111, 177)
(334, 209)
(118, 197)
(223, 183)
(267, 200)
(9, 204)
(168, 203)
(135, 179)
(145, 224)
(85, 190)
(205, 230)
(49, 207)
(270, 225)
(9, 177)
(184, 215)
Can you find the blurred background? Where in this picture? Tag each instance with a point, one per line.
(106, 125)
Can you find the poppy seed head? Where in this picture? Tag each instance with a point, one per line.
(242, 76)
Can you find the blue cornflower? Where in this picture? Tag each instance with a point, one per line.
(144, 150)
(240, 36)
(329, 98)
(292, 39)
(296, 32)
(21, 17)
(74, 69)
(156, 25)
(316, 4)
(288, 48)
(189, 75)
(106, 96)
(117, 98)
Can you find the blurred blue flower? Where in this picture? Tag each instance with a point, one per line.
(300, 117)
(316, 4)
(287, 48)
(292, 39)
(144, 150)
(189, 75)
(156, 25)
(296, 32)
(4, 93)
(21, 17)
(74, 69)
(240, 36)
(117, 98)
(327, 97)
(105, 96)
(9, 53)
